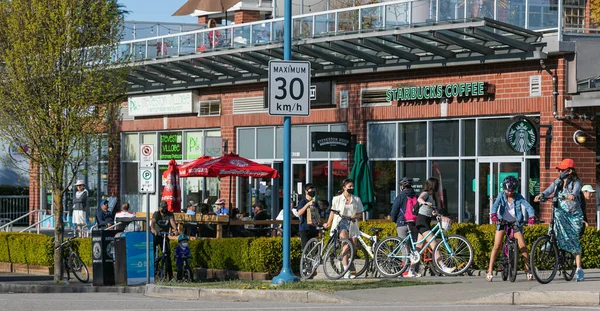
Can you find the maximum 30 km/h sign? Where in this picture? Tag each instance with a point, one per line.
(289, 88)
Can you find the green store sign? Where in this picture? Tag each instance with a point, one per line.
(469, 89)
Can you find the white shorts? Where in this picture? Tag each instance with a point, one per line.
(79, 217)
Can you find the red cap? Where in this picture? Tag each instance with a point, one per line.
(565, 164)
(220, 202)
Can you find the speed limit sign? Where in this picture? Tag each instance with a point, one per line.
(289, 88)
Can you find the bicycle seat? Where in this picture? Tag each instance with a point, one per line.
(376, 230)
(320, 228)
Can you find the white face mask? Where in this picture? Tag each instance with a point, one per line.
(184, 245)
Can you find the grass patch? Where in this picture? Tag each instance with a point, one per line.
(316, 285)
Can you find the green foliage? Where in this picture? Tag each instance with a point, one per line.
(83, 247)
(26, 248)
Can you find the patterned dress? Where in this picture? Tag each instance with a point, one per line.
(567, 225)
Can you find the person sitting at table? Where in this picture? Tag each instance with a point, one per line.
(123, 215)
(192, 227)
(206, 230)
(222, 210)
(104, 217)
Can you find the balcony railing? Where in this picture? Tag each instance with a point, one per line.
(529, 14)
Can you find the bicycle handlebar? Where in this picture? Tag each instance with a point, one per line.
(165, 233)
(65, 242)
(342, 216)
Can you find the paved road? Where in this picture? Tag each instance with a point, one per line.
(135, 302)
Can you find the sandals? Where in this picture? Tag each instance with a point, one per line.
(489, 276)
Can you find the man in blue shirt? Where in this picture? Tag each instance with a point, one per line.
(221, 208)
(307, 231)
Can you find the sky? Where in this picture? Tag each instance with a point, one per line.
(155, 11)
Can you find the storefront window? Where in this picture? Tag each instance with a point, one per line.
(384, 184)
(412, 141)
(340, 172)
(193, 145)
(469, 188)
(319, 171)
(246, 143)
(265, 140)
(383, 147)
(131, 145)
(298, 181)
(299, 142)
(129, 190)
(468, 136)
(339, 128)
(447, 173)
(415, 169)
(492, 138)
(533, 185)
(170, 146)
(444, 138)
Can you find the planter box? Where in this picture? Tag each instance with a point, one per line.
(6, 267)
(228, 275)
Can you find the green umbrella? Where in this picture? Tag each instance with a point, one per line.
(361, 174)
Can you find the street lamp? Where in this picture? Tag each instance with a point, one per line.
(579, 137)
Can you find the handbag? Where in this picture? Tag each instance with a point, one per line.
(313, 217)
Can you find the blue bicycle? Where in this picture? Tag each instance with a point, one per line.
(452, 255)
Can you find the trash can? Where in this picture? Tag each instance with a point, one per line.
(130, 258)
(103, 257)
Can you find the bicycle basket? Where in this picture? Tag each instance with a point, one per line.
(446, 223)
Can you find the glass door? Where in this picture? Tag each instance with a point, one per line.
(490, 173)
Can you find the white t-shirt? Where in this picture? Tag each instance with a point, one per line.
(355, 207)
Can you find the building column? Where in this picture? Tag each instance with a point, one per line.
(241, 17)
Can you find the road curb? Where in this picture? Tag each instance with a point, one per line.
(242, 295)
(549, 298)
(59, 288)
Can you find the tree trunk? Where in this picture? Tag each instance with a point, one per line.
(58, 233)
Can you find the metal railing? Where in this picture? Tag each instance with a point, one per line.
(8, 226)
(364, 18)
(13, 206)
(37, 224)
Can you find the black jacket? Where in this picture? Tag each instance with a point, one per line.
(399, 206)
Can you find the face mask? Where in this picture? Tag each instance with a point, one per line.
(565, 174)
(311, 193)
(350, 190)
(163, 210)
(184, 245)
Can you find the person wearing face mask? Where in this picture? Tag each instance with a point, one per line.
(568, 217)
(512, 207)
(182, 252)
(306, 231)
(163, 221)
(347, 204)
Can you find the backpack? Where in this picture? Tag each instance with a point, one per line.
(411, 210)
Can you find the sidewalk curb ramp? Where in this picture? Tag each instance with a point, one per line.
(243, 295)
(551, 298)
(63, 288)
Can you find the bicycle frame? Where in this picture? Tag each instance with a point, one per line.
(435, 232)
(372, 239)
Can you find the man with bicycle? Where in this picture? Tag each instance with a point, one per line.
(162, 221)
(511, 207)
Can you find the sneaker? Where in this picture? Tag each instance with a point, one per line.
(413, 274)
(448, 269)
(489, 277)
(529, 275)
(349, 275)
(579, 273)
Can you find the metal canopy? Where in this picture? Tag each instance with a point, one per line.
(426, 45)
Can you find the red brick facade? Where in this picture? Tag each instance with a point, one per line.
(241, 17)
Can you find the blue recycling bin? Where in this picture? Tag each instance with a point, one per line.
(130, 258)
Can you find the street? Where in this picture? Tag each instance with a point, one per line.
(135, 302)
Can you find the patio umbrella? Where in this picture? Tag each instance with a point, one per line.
(172, 190)
(206, 5)
(189, 168)
(363, 184)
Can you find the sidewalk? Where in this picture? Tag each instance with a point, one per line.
(454, 290)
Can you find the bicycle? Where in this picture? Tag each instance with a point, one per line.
(72, 262)
(364, 255)
(393, 255)
(186, 270)
(161, 259)
(546, 258)
(313, 255)
(510, 252)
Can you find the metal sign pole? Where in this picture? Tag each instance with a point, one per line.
(286, 275)
(147, 238)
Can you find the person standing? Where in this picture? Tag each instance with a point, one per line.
(568, 218)
(403, 204)
(307, 231)
(79, 205)
(586, 194)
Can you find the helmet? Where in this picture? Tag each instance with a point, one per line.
(510, 183)
(182, 237)
(220, 202)
(406, 181)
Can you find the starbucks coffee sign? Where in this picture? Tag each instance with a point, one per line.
(521, 136)
(427, 92)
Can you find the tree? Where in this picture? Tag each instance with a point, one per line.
(595, 11)
(60, 86)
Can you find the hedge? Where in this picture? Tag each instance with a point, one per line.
(264, 254)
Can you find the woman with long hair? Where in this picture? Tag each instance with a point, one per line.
(429, 200)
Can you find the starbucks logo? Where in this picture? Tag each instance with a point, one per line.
(521, 136)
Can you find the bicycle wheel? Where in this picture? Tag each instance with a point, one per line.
(513, 260)
(543, 260)
(160, 272)
(188, 275)
(361, 260)
(391, 257)
(333, 266)
(454, 253)
(78, 268)
(310, 258)
(569, 265)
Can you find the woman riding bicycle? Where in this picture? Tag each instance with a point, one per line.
(509, 206)
(348, 205)
(568, 216)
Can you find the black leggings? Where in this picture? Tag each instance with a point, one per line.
(306, 235)
(423, 223)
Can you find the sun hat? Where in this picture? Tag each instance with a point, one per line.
(588, 188)
(79, 182)
(565, 164)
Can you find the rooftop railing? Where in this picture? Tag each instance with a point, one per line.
(529, 14)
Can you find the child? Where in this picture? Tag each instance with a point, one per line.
(182, 252)
(509, 206)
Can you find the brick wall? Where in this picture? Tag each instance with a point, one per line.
(241, 17)
(34, 191)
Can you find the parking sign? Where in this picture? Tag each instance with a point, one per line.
(147, 180)
(289, 88)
